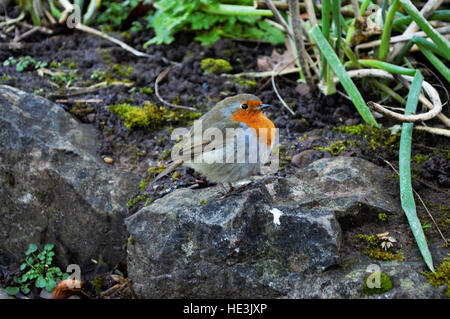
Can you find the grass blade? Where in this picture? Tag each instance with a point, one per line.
(326, 20)
(345, 80)
(406, 192)
(437, 38)
(387, 29)
(416, 40)
(438, 64)
(392, 68)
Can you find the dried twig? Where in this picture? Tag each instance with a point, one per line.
(12, 21)
(433, 130)
(160, 77)
(278, 73)
(294, 12)
(278, 17)
(276, 90)
(398, 38)
(435, 105)
(71, 101)
(420, 198)
(32, 31)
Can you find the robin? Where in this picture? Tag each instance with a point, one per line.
(243, 140)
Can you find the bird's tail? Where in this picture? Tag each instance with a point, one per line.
(169, 169)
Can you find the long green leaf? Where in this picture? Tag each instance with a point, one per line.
(438, 39)
(441, 67)
(387, 29)
(425, 43)
(392, 68)
(442, 15)
(406, 192)
(345, 80)
(326, 69)
(336, 9)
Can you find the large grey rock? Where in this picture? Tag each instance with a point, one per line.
(53, 187)
(265, 242)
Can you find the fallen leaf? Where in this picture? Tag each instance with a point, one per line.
(67, 288)
(285, 60)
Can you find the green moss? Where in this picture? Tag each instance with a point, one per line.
(122, 70)
(176, 175)
(5, 78)
(380, 254)
(246, 84)
(106, 55)
(202, 202)
(385, 285)
(441, 276)
(420, 158)
(216, 66)
(165, 155)
(373, 250)
(150, 116)
(136, 200)
(154, 171)
(143, 184)
(131, 240)
(337, 147)
(269, 269)
(383, 217)
(375, 138)
(148, 91)
(98, 282)
(81, 110)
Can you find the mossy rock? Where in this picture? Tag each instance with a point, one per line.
(441, 276)
(384, 286)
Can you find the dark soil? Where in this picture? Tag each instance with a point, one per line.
(312, 129)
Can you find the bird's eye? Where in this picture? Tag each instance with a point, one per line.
(244, 106)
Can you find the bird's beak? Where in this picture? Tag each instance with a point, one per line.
(263, 106)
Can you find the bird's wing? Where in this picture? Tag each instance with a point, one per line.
(192, 146)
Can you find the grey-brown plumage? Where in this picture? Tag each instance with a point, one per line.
(218, 117)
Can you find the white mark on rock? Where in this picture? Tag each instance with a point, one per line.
(26, 198)
(276, 215)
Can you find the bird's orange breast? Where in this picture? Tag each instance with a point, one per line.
(257, 121)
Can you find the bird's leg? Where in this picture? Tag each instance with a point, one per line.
(232, 191)
(226, 192)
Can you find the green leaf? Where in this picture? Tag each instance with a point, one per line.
(25, 290)
(23, 266)
(31, 249)
(406, 192)
(438, 39)
(41, 282)
(12, 290)
(49, 247)
(51, 285)
(345, 80)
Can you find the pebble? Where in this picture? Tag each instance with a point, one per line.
(4, 294)
(45, 294)
(304, 158)
(108, 160)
